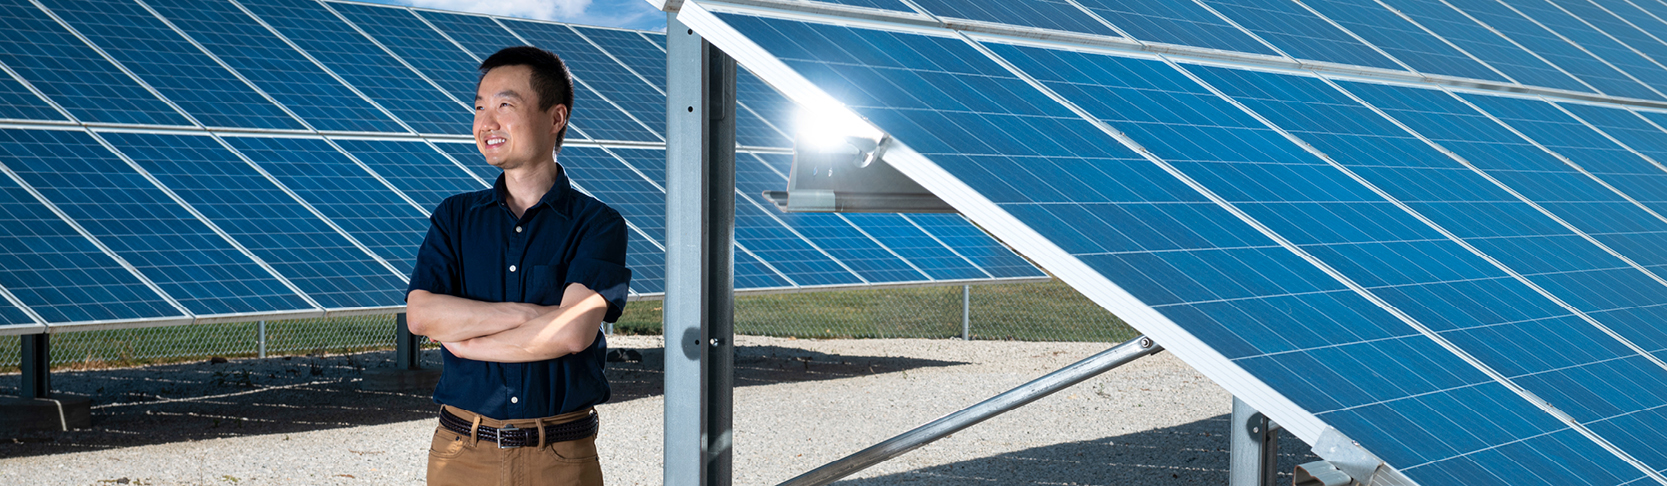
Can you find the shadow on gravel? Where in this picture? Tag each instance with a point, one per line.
(282, 395)
(1194, 453)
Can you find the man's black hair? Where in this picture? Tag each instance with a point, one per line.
(549, 78)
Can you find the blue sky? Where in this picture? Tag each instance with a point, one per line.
(630, 14)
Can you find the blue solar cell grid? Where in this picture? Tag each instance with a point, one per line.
(1299, 33)
(11, 315)
(772, 108)
(1577, 58)
(18, 103)
(72, 74)
(834, 233)
(1628, 33)
(601, 73)
(259, 215)
(1203, 268)
(378, 75)
(1045, 14)
(343, 192)
(1183, 23)
(893, 5)
(140, 223)
(50, 267)
(416, 168)
(169, 63)
(277, 69)
(418, 44)
(1476, 39)
(1402, 39)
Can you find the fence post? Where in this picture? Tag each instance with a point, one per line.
(262, 339)
(36, 365)
(966, 312)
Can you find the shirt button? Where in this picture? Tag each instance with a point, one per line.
(514, 400)
(512, 268)
(517, 229)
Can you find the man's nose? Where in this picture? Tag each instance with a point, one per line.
(485, 120)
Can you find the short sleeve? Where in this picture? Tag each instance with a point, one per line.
(436, 270)
(600, 262)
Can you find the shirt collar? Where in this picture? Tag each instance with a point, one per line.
(552, 198)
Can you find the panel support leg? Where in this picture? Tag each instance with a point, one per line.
(407, 347)
(1255, 447)
(36, 364)
(408, 373)
(700, 215)
(966, 312)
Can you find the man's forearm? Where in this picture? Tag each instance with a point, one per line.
(446, 318)
(558, 332)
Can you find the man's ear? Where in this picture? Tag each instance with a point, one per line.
(558, 118)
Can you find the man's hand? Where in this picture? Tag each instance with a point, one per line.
(553, 333)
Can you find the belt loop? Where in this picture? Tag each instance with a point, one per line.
(474, 431)
(539, 422)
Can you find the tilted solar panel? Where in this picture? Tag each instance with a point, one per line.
(72, 74)
(18, 103)
(1042, 14)
(1594, 58)
(1404, 40)
(279, 70)
(1184, 23)
(1475, 317)
(143, 225)
(303, 247)
(377, 74)
(415, 41)
(1627, 34)
(168, 62)
(1299, 33)
(600, 72)
(416, 168)
(1454, 26)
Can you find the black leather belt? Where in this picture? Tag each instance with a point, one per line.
(511, 437)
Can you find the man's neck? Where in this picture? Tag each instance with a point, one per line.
(526, 185)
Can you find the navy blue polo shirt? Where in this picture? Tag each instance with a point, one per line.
(477, 249)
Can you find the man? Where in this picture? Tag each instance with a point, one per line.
(515, 281)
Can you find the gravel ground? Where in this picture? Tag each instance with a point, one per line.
(799, 404)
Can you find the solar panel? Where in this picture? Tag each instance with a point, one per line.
(60, 65)
(53, 269)
(1301, 34)
(168, 62)
(416, 168)
(376, 74)
(600, 72)
(1184, 23)
(382, 219)
(413, 40)
(593, 117)
(12, 317)
(1042, 14)
(1403, 40)
(279, 70)
(1648, 47)
(856, 248)
(18, 103)
(1452, 25)
(1462, 330)
(1580, 50)
(301, 246)
(141, 224)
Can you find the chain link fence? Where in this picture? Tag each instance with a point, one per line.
(1048, 311)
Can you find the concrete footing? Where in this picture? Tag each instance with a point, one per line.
(19, 415)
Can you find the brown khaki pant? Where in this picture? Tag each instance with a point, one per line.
(457, 459)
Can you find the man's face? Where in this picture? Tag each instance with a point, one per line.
(509, 128)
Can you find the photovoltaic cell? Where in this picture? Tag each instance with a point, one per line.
(782, 114)
(137, 221)
(1588, 65)
(272, 225)
(1476, 39)
(1645, 16)
(1044, 14)
(878, 4)
(343, 192)
(857, 249)
(1184, 256)
(277, 69)
(1300, 33)
(1182, 23)
(11, 315)
(1536, 344)
(1403, 40)
(169, 63)
(422, 173)
(600, 72)
(414, 41)
(72, 74)
(53, 269)
(376, 74)
(18, 103)
(975, 245)
(1630, 34)
(592, 116)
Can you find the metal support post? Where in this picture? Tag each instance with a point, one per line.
(699, 299)
(1255, 447)
(407, 348)
(262, 327)
(36, 364)
(1029, 392)
(966, 312)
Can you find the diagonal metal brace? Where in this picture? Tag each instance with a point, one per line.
(1029, 392)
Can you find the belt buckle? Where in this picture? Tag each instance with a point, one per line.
(505, 430)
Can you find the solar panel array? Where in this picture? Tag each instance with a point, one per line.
(179, 161)
(1434, 229)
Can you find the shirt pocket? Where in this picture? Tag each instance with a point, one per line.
(544, 285)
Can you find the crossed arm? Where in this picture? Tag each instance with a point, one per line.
(508, 332)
